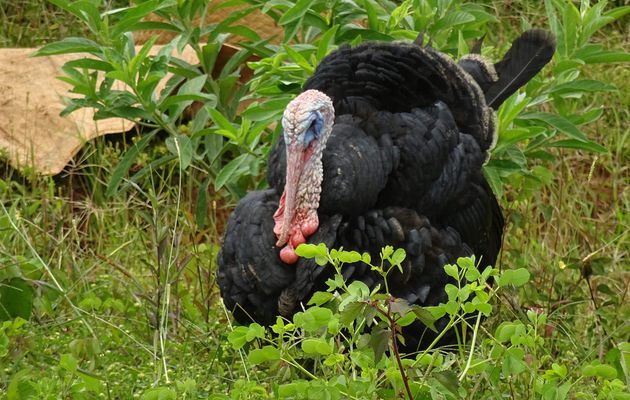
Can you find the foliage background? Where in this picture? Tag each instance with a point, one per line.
(113, 260)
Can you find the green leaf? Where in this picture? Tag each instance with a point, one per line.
(238, 337)
(159, 393)
(16, 299)
(308, 250)
(484, 308)
(379, 340)
(449, 381)
(267, 353)
(577, 144)
(560, 123)
(254, 331)
(232, 170)
(398, 257)
(68, 362)
(316, 346)
(134, 14)
(425, 316)
(516, 277)
(513, 361)
(127, 161)
(607, 57)
(452, 271)
(348, 257)
(299, 59)
(504, 332)
(224, 124)
(21, 386)
(351, 311)
(89, 63)
(325, 42)
(297, 11)
(472, 274)
(453, 18)
(313, 319)
(320, 298)
(584, 85)
(600, 370)
(67, 46)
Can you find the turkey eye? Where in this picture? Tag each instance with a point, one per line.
(311, 133)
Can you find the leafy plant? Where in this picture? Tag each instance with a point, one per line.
(528, 135)
(156, 88)
(353, 331)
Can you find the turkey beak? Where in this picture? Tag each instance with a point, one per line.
(295, 164)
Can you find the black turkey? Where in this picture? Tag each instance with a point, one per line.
(385, 146)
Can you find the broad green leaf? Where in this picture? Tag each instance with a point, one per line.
(316, 346)
(187, 99)
(134, 14)
(398, 257)
(127, 161)
(68, 362)
(90, 63)
(20, 387)
(308, 250)
(516, 277)
(425, 316)
(320, 298)
(224, 124)
(267, 353)
(238, 337)
(364, 34)
(313, 318)
(232, 170)
(159, 393)
(451, 270)
(267, 110)
(513, 361)
(559, 122)
(16, 299)
(254, 331)
(325, 42)
(67, 46)
(600, 370)
(453, 18)
(451, 291)
(297, 11)
(583, 85)
(351, 311)
(379, 341)
(607, 57)
(348, 257)
(577, 144)
(299, 59)
(472, 274)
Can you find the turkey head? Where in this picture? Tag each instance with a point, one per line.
(307, 123)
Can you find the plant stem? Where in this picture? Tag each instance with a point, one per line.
(392, 327)
(472, 347)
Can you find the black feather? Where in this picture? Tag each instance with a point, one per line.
(402, 167)
(527, 56)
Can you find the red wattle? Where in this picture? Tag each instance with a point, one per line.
(288, 256)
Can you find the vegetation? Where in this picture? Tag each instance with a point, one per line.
(107, 271)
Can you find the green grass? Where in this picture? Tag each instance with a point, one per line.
(119, 264)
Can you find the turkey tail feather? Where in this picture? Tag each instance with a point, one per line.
(527, 56)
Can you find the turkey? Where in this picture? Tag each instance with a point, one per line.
(384, 146)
